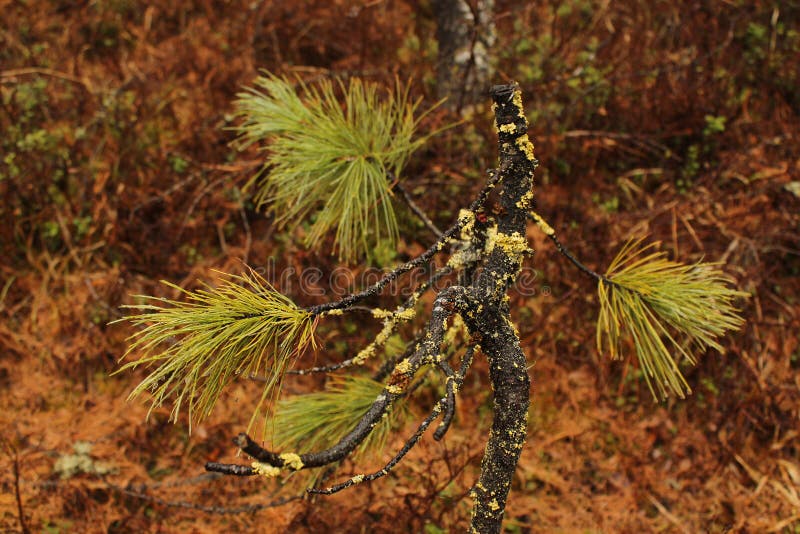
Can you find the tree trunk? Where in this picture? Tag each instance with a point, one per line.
(465, 36)
(488, 315)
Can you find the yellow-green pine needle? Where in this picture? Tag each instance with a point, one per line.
(317, 421)
(666, 308)
(199, 345)
(329, 159)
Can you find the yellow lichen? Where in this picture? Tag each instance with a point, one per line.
(460, 258)
(265, 470)
(516, 100)
(508, 128)
(366, 353)
(542, 224)
(468, 225)
(394, 389)
(512, 325)
(514, 245)
(358, 479)
(380, 313)
(383, 335)
(494, 505)
(404, 366)
(525, 202)
(334, 312)
(525, 145)
(292, 461)
(407, 314)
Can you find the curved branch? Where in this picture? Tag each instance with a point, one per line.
(427, 353)
(438, 408)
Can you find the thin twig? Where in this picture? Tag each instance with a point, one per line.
(426, 353)
(437, 410)
(417, 210)
(20, 510)
(549, 232)
(346, 302)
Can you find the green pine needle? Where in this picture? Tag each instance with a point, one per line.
(317, 421)
(328, 159)
(666, 308)
(198, 346)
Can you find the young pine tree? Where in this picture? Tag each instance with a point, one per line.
(341, 164)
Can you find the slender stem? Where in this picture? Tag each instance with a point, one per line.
(551, 233)
(440, 407)
(20, 510)
(417, 210)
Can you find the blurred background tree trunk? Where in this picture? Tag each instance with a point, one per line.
(465, 34)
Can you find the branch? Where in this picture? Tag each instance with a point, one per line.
(551, 233)
(269, 463)
(390, 325)
(447, 236)
(441, 406)
(417, 210)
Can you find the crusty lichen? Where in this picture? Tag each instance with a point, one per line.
(404, 366)
(390, 320)
(365, 354)
(525, 202)
(380, 313)
(265, 470)
(394, 389)
(292, 461)
(514, 245)
(334, 312)
(542, 224)
(525, 145)
(404, 314)
(512, 325)
(461, 258)
(468, 224)
(508, 128)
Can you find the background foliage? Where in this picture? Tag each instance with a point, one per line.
(116, 171)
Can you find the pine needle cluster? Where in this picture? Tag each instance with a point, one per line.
(242, 327)
(666, 308)
(330, 161)
(316, 421)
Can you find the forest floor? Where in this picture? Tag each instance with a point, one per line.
(675, 120)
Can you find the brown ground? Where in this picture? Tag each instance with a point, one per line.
(116, 172)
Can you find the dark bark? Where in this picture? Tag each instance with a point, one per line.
(490, 320)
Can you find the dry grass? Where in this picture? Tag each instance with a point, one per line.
(115, 116)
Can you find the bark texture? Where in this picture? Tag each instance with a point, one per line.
(489, 318)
